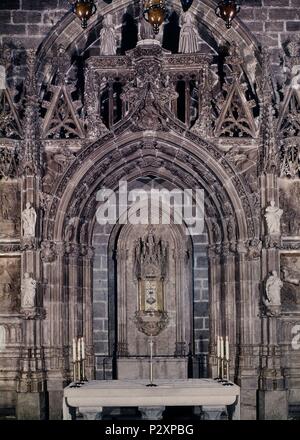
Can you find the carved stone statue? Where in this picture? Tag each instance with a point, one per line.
(188, 40)
(273, 287)
(273, 215)
(108, 44)
(28, 290)
(29, 221)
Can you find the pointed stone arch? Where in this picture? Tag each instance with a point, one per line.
(100, 159)
(236, 118)
(69, 34)
(61, 116)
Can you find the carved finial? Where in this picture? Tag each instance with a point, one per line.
(293, 47)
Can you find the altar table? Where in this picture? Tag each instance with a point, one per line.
(212, 397)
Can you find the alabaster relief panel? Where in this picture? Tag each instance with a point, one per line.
(290, 203)
(9, 284)
(9, 210)
(290, 275)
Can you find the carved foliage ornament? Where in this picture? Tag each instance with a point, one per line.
(9, 161)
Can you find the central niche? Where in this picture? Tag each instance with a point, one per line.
(151, 264)
(153, 267)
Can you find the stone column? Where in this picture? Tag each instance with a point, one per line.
(214, 306)
(122, 348)
(229, 302)
(247, 344)
(272, 396)
(56, 326)
(87, 273)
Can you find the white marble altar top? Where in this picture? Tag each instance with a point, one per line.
(177, 392)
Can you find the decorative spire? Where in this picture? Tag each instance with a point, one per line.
(31, 156)
(269, 159)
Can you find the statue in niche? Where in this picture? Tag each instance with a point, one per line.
(29, 221)
(273, 288)
(28, 291)
(188, 39)
(108, 45)
(273, 215)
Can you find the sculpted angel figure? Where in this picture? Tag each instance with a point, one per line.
(29, 221)
(273, 288)
(188, 39)
(28, 290)
(273, 215)
(108, 45)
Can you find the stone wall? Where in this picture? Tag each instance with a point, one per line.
(271, 21)
(101, 301)
(201, 298)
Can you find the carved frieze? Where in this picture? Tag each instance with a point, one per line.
(10, 210)
(290, 203)
(10, 284)
(290, 275)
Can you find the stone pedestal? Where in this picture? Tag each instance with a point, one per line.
(55, 409)
(31, 406)
(91, 413)
(273, 405)
(151, 412)
(213, 412)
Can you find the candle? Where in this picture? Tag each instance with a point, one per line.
(218, 347)
(74, 350)
(151, 360)
(227, 348)
(82, 349)
(222, 347)
(78, 349)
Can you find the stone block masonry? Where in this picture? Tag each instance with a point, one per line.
(271, 21)
(25, 23)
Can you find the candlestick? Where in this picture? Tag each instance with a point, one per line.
(218, 347)
(151, 359)
(222, 347)
(78, 349)
(74, 371)
(74, 350)
(82, 349)
(227, 348)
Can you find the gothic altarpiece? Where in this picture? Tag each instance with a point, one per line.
(213, 120)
